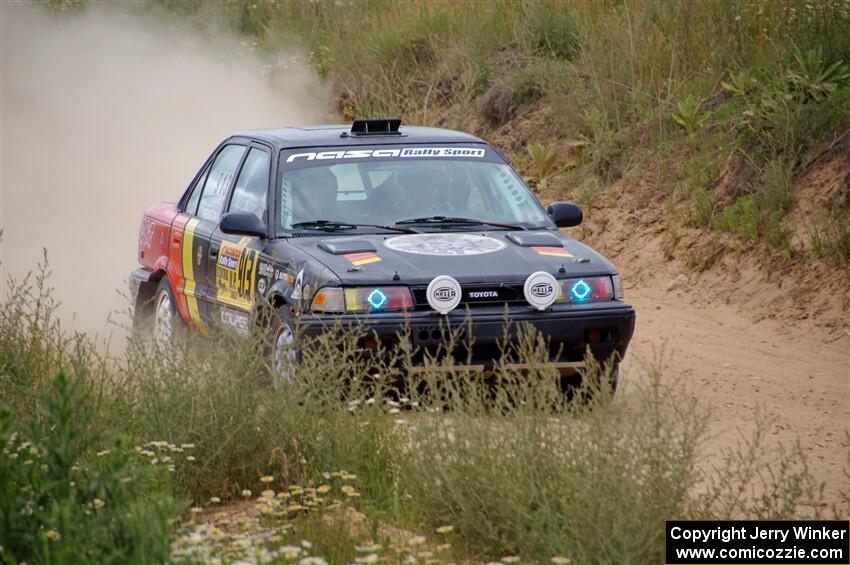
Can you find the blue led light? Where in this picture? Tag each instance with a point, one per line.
(580, 290)
(377, 299)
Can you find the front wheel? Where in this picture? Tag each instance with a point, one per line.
(284, 354)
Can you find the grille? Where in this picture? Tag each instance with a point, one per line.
(477, 295)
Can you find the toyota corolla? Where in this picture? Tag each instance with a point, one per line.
(393, 228)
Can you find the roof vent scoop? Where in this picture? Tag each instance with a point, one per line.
(380, 126)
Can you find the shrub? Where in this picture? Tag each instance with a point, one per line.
(63, 502)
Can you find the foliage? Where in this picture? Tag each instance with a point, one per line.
(427, 451)
(690, 116)
(62, 502)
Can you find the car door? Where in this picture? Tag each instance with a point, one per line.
(197, 251)
(237, 278)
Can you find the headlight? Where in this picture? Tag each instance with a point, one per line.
(362, 299)
(586, 289)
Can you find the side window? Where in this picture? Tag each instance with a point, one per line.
(192, 203)
(218, 180)
(252, 185)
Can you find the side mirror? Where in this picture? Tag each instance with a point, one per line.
(241, 223)
(565, 214)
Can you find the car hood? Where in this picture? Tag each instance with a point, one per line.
(469, 257)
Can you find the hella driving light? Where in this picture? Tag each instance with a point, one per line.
(362, 299)
(586, 289)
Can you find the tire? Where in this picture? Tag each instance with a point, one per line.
(571, 385)
(166, 325)
(283, 353)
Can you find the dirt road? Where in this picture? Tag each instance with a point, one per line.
(798, 374)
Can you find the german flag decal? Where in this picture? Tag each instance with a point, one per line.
(553, 251)
(358, 259)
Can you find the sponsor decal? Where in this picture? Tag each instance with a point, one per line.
(553, 251)
(359, 259)
(458, 244)
(229, 255)
(402, 152)
(261, 286)
(236, 273)
(265, 270)
(443, 294)
(235, 319)
(146, 233)
(297, 288)
(540, 290)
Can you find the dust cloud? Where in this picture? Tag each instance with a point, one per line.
(106, 111)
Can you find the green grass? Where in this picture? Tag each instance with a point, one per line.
(612, 78)
(599, 475)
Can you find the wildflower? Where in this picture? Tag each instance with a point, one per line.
(368, 548)
(444, 547)
(268, 493)
(190, 458)
(347, 476)
(194, 510)
(370, 558)
(53, 535)
(312, 561)
(349, 491)
(393, 411)
(289, 551)
(306, 544)
(188, 446)
(98, 503)
(416, 540)
(266, 479)
(104, 452)
(323, 489)
(445, 529)
(215, 500)
(246, 493)
(560, 560)
(510, 559)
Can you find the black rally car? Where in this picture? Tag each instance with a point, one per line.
(397, 228)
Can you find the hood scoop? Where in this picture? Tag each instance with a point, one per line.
(346, 246)
(535, 239)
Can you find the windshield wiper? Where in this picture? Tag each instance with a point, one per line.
(449, 220)
(332, 225)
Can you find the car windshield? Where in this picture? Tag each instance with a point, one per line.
(442, 188)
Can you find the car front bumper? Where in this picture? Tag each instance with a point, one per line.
(603, 328)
